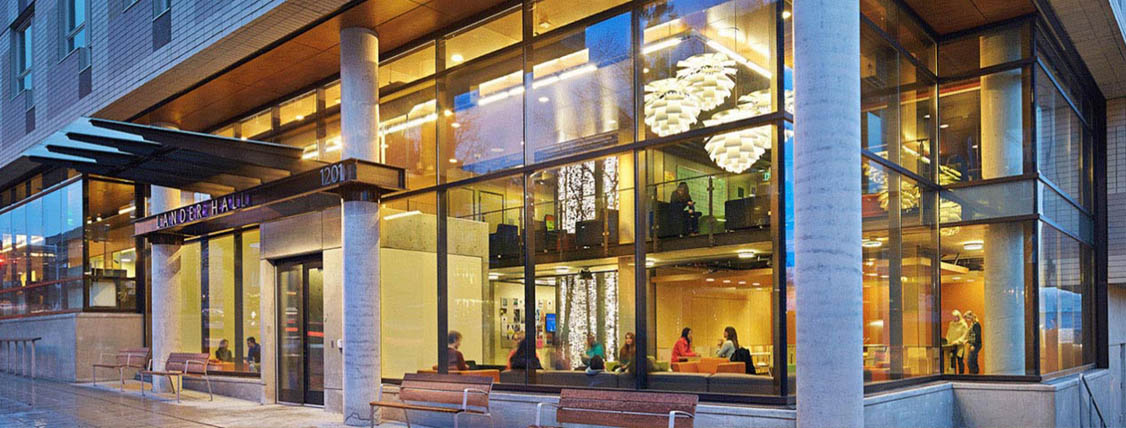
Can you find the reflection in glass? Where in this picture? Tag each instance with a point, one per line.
(982, 129)
(407, 128)
(492, 35)
(582, 97)
(706, 62)
(1060, 150)
(1066, 276)
(409, 67)
(479, 129)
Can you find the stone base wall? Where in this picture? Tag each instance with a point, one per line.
(73, 342)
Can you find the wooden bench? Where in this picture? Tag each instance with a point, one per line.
(441, 393)
(622, 409)
(177, 366)
(130, 358)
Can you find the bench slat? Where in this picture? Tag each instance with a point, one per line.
(624, 409)
(398, 405)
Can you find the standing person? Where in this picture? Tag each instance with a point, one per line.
(454, 359)
(683, 347)
(593, 349)
(681, 204)
(973, 342)
(728, 344)
(956, 333)
(626, 354)
(224, 353)
(253, 353)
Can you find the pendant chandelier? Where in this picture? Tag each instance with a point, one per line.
(707, 77)
(669, 107)
(737, 150)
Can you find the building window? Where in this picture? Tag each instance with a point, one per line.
(22, 58)
(160, 6)
(75, 25)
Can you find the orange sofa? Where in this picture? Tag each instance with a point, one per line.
(709, 365)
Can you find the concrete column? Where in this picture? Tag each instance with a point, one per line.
(359, 119)
(1002, 141)
(827, 229)
(166, 297)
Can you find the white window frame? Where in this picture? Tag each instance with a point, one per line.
(71, 32)
(160, 7)
(24, 41)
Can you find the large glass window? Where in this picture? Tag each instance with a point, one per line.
(710, 271)
(900, 254)
(485, 268)
(110, 244)
(408, 272)
(405, 69)
(984, 127)
(551, 14)
(407, 125)
(1066, 272)
(706, 63)
(41, 255)
(479, 130)
(987, 279)
(21, 43)
(582, 91)
(494, 34)
(1060, 151)
(75, 24)
(583, 228)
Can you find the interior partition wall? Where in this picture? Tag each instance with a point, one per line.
(611, 181)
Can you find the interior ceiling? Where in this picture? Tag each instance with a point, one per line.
(308, 58)
(948, 16)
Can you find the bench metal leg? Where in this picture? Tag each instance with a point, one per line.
(174, 388)
(121, 374)
(371, 416)
(455, 419)
(32, 359)
(208, 379)
(143, 386)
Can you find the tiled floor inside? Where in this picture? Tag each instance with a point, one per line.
(42, 403)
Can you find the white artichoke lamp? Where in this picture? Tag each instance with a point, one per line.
(669, 107)
(736, 151)
(707, 76)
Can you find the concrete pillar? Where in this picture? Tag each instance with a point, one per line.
(827, 229)
(1002, 141)
(359, 119)
(166, 297)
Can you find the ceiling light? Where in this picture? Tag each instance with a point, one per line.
(455, 125)
(545, 25)
(402, 214)
(709, 279)
(746, 254)
(663, 44)
(786, 14)
(127, 209)
(727, 281)
(562, 269)
(737, 150)
(300, 117)
(453, 160)
(944, 126)
(872, 244)
(494, 276)
(669, 108)
(745, 282)
(457, 58)
(754, 284)
(926, 116)
(645, 70)
(707, 77)
(544, 99)
(973, 245)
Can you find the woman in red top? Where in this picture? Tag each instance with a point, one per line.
(683, 347)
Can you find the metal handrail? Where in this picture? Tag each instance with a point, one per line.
(1091, 396)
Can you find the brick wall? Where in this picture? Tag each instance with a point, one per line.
(1116, 189)
(128, 76)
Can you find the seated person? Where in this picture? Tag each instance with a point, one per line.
(593, 349)
(681, 204)
(224, 353)
(626, 354)
(728, 344)
(455, 360)
(253, 352)
(519, 357)
(597, 365)
(683, 347)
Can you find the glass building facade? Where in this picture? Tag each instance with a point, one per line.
(613, 179)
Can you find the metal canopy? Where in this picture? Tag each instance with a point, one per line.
(168, 157)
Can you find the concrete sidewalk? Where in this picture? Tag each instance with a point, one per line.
(42, 403)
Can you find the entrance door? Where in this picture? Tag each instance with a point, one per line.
(301, 336)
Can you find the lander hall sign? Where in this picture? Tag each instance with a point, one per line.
(203, 210)
(245, 206)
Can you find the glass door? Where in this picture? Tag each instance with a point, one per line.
(301, 336)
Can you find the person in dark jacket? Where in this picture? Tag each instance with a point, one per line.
(974, 342)
(455, 360)
(681, 204)
(224, 352)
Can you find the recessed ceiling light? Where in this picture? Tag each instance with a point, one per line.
(545, 25)
(973, 245)
(944, 126)
(727, 281)
(709, 279)
(300, 117)
(457, 58)
(786, 14)
(872, 244)
(745, 253)
(452, 160)
(544, 99)
(455, 125)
